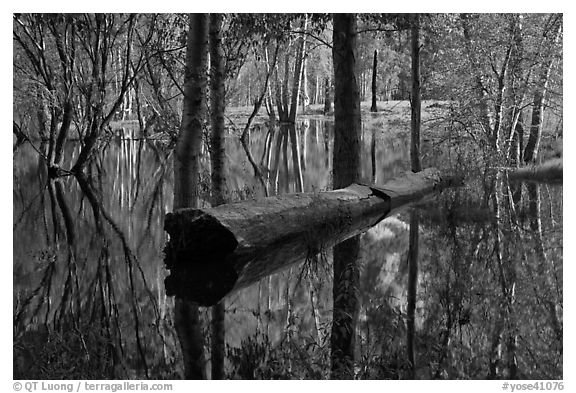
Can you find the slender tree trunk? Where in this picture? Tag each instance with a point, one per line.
(305, 127)
(298, 73)
(316, 90)
(373, 155)
(327, 96)
(305, 95)
(285, 96)
(346, 170)
(269, 96)
(298, 180)
(42, 115)
(517, 142)
(374, 107)
(415, 102)
(63, 134)
(414, 219)
(217, 109)
(218, 158)
(186, 180)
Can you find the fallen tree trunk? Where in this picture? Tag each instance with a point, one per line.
(548, 172)
(214, 251)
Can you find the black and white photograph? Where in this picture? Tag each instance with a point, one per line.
(287, 196)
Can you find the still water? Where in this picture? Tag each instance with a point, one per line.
(89, 297)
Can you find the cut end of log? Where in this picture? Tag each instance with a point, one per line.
(196, 236)
(200, 257)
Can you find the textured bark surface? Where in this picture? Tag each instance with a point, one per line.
(294, 98)
(346, 170)
(188, 145)
(215, 251)
(347, 121)
(374, 107)
(327, 96)
(186, 181)
(415, 99)
(217, 107)
(218, 175)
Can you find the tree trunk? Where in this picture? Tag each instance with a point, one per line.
(186, 179)
(415, 102)
(218, 175)
(63, 134)
(346, 170)
(285, 114)
(298, 73)
(296, 163)
(327, 96)
(373, 155)
(214, 251)
(316, 89)
(374, 107)
(305, 87)
(217, 108)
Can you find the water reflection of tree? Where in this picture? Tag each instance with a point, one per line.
(92, 303)
(489, 301)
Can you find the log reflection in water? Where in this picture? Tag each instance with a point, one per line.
(212, 251)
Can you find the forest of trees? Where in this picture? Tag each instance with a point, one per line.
(75, 74)
(192, 81)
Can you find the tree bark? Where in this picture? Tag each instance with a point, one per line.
(218, 175)
(298, 73)
(415, 101)
(327, 96)
(346, 170)
(186, 179)
(188, 145)
(217, 109)
(414, 219)
(305, 84)
(374, 107)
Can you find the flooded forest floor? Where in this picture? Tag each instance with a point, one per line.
(89, 299)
